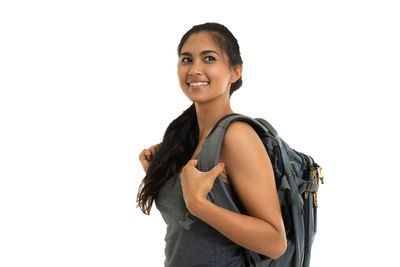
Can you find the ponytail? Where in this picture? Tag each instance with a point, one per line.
(177, 147)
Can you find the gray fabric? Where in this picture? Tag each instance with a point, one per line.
(189, 240)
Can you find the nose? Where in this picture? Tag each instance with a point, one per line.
(195, 69)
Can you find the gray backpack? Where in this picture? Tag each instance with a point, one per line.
(297, 180)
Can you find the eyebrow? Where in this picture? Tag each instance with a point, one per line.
(201, 53)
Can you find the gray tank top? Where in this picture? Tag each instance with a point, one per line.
(191, 242)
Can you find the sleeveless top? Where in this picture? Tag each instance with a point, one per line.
(191, 242)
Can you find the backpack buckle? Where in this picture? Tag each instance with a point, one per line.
(315, 199)
(314, 176)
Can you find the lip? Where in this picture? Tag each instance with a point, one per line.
(198, 87)
(196, 81)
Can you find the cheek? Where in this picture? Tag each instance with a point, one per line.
(180, 71)
(182, 79)
(218, 75)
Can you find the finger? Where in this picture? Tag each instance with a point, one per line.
(143, 154)
(148, 154)
(218, 169)
(144, 157)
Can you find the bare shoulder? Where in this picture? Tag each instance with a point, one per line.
(250, 170)
(242, 146)
(240, 129)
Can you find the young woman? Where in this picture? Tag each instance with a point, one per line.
(209, 71)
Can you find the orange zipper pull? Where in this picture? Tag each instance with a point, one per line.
(320, 175)
(315, 199)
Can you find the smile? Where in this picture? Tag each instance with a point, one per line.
(198, 85)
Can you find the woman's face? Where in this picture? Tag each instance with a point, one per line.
(201, 60)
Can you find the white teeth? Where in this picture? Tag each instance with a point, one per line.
(198, 83)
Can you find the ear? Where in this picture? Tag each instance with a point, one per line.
(236, 73)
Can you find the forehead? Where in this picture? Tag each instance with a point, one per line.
(198, 42)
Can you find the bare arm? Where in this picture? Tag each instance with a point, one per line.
(246, 231)
(249, 167)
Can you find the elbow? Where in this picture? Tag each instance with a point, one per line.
(280, 247)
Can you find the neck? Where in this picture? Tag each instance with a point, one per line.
(208, 115)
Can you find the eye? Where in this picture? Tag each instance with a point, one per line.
(183, 59)
(210, 57)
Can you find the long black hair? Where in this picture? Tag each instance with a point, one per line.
(182, 135)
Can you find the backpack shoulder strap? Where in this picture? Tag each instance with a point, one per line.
(209, 156)
(211, 147)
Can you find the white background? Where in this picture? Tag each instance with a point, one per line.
(86, 85)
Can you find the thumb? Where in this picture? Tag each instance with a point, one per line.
(218, 168)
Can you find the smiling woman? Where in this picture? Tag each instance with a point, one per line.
(199, 233)
(204, 72)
